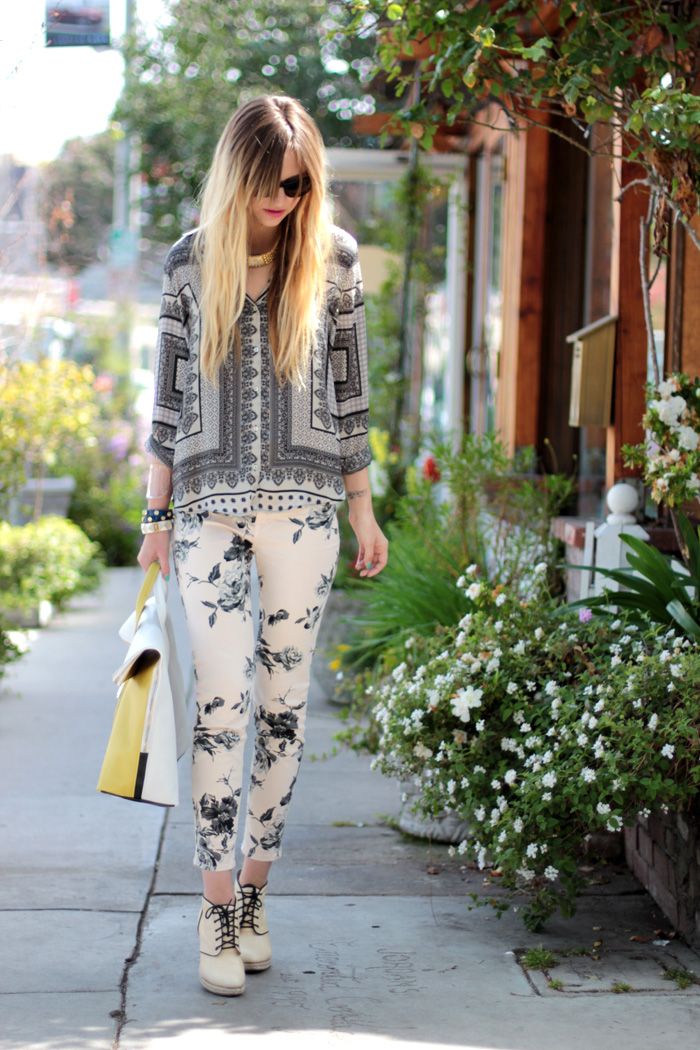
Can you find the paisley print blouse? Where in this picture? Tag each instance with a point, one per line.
(250, 444)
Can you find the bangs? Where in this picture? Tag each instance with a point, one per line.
(265, 172)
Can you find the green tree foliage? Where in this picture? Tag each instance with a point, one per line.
(182, 86)
(76, 202)
(633, 66)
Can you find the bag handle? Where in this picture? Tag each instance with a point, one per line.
(146, 587)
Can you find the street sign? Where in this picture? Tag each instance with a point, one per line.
(77, 23)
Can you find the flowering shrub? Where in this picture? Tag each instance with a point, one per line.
(539, 726)
(671, 461)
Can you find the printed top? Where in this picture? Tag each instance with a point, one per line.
(249, 443)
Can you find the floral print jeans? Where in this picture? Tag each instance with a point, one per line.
(296, 554)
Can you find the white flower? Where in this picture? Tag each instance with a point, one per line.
(518, 825)
(615, 661)
(474, 590)
(525, 727)
(511, 688)
(688, 438)
(540, 567)
(398, 672)
(461, 638)
(669, 410)
(549, 780)
(464, 782)
(551, 688)
(480, 814)
(518, 718)
(421, 751)
(538, 633)
(466, 620)
(693, 483)
(479, 769)
(666, 388)
(653, 721)
(551, 873)
(510, 777)
(592, 722)
(546, 796)
(581, 739)
(502, 597)
(464, 701)
(676, 670)
(668, 750)
(451, 785)
(600, 706)
(519, 648)
(496, 785)
(531, 850)
(480, 725)
(526, 874)
(588, 774)
(461, 582)
(493, 664)
(530, 686)
(472, 570)
(508, 744)
(463, 847)
(603, 808)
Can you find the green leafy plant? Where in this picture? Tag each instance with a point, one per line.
(539, 959)
(485, 510)
(47, 560)
(683, 978)
(655, 588)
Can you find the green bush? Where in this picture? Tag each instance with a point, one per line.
(485, 510)
(48, 560)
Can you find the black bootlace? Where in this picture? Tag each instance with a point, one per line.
(224, 916)
(252, 903)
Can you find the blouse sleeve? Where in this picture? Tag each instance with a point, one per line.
(172, 351)
(348, 353)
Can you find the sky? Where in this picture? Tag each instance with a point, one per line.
(49, 95)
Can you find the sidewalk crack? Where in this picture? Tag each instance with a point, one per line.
(120, 1014)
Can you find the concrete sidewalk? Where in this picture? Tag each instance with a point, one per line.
(374, 943)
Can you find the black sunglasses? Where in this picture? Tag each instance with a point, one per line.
(297, 186)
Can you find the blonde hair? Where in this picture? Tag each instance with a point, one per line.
(248, 163)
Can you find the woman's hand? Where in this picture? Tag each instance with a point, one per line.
(156, 547)
(373, 544)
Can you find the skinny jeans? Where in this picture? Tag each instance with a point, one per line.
(238, 663)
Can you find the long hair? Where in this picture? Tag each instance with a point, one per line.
(248, 163)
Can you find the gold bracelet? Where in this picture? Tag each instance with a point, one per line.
(156, 526)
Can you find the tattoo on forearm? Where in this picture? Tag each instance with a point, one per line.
(356, 493)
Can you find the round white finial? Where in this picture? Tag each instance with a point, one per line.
(622, 500)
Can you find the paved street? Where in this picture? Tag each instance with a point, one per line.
(374, 943)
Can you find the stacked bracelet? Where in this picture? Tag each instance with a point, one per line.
(155, 520)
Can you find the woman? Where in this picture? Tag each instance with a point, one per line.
(259, 431)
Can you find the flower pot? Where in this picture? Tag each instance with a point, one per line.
(39, 616)
(55, 499)
(447, 827)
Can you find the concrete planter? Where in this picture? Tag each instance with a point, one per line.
(36, 617)
(448, 827)
(56, 496)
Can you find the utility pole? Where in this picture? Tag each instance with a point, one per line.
(124, 234)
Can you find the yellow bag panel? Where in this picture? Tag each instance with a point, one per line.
(121, 762)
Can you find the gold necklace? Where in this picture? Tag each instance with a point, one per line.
(265, 259)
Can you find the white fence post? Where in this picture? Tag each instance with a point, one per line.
(611, 551)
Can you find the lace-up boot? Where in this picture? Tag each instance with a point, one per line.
(220, 964)
(255, 939)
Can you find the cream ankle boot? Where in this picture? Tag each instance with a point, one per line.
(220, 964)
(255, 945)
